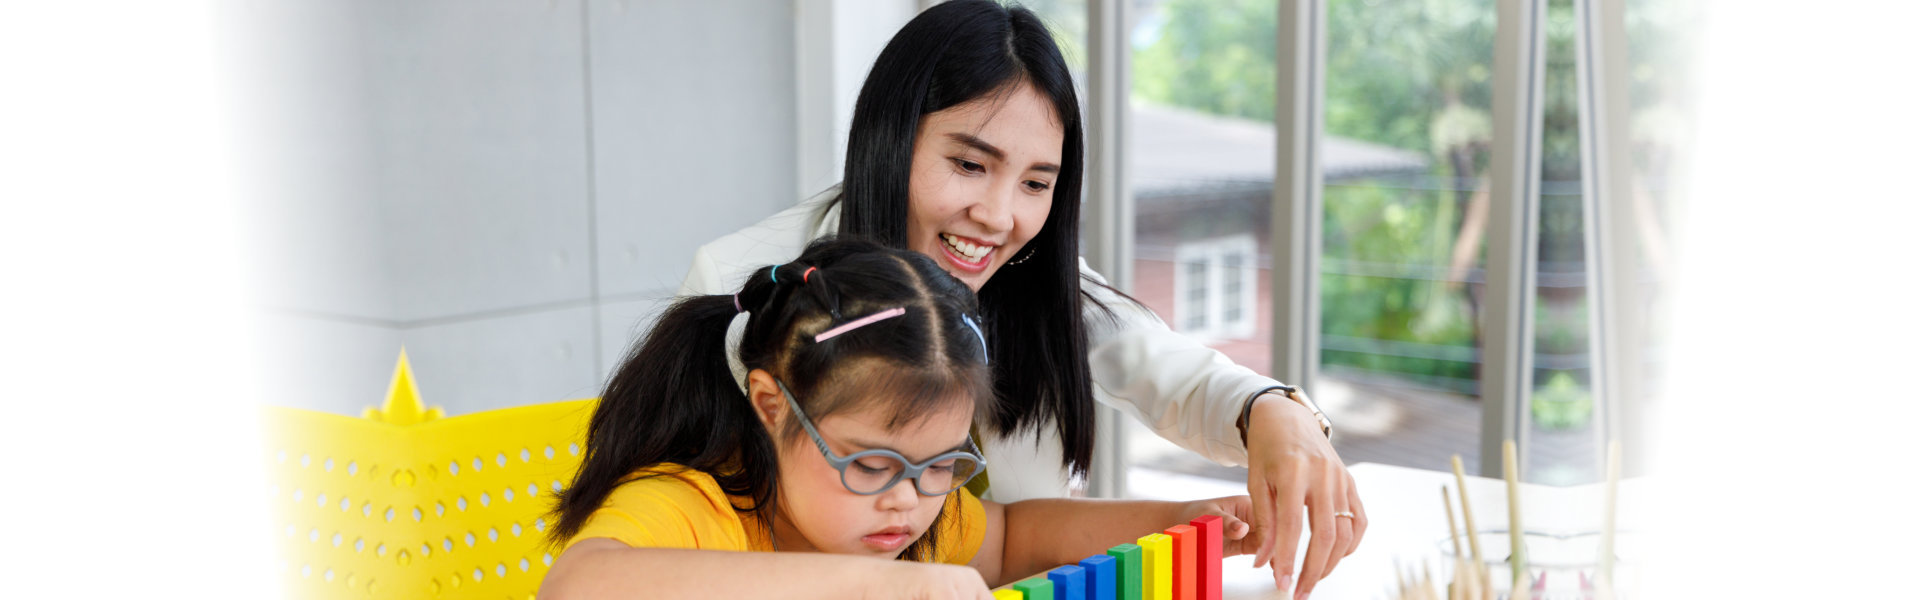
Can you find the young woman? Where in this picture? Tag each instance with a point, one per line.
(807, 437)
(966, 147)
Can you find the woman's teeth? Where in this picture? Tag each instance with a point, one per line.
(965, 249)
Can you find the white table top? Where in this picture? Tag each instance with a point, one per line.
(1408, 524)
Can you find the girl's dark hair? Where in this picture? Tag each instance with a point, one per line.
(674, 399)
(953, 53)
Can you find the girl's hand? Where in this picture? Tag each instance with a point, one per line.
(1234, 512)
(1291, 463)
(927, 581)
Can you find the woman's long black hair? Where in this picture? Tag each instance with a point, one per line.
(674, 399)
(954, 53)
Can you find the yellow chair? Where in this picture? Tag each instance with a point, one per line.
(407, 504)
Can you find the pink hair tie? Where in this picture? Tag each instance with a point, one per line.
(809, 271)
(860, 322)
(736, 303)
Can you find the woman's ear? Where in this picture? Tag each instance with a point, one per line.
(769, 405)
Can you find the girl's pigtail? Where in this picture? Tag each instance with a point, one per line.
(673, 400)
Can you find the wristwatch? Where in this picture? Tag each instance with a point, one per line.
(1291, 393)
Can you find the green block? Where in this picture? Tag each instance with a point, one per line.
(1126, 558)
(1035, 589)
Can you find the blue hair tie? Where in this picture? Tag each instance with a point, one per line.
(968, 319)
(775, 273)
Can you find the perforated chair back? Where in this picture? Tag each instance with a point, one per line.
(404, 503)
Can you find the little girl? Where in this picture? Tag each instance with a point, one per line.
(816, 424)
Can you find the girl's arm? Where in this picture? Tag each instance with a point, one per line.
(1032, 536)
(604, 568)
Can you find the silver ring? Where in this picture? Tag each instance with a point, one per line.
(1343, 514)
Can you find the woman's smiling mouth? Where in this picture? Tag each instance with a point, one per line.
(965, 253)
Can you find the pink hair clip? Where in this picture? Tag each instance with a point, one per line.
(860, 322)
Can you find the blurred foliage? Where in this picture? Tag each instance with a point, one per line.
(1562, 403)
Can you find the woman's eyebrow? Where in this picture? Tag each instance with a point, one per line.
(995, 151)
(978, 144)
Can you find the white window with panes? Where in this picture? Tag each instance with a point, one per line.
(1214, 285)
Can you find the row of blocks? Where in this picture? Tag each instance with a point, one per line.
(1182, 563)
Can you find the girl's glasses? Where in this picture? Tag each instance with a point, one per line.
(870, 472)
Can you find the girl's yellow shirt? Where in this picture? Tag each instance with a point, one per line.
(676, 507)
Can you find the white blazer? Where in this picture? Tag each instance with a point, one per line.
(1186, 392)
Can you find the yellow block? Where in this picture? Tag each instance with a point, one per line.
(405, 503)
(1156, 567)
(1008, 595)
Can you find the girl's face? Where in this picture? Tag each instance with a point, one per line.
(818, 513)
(982, 181)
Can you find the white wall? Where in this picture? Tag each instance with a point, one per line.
(509, 188)
(836, 45)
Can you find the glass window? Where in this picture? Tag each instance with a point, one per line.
(1405, 163)
(1200, 164)
(1561, 433)
(1566, 445)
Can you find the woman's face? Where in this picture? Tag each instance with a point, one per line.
(982, 181)
(818, 513)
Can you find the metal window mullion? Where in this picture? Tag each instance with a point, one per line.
(1108, 217)
(1299, 124)
(1595, 185)
(1612, 259)
(1513, 235)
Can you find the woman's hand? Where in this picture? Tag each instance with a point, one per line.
(1234, 512)
(926, 581)
(1291, 463)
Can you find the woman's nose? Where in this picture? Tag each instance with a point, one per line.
(995, 211)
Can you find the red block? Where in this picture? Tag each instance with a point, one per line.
(1206, 558)
(1186, 540)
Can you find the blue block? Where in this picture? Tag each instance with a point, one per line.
(1069, 583)
(1102, 573)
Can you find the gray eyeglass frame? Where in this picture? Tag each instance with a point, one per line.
(912, 471)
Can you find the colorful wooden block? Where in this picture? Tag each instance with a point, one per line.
(1156, 567)
(1126, 571)
(1206, 561)
(1185, 540)
(1100, 577)
(1038, 588)
(1008, 595)
(1069, 583)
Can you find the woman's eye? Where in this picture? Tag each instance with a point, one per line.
(1037, 186)
(968, 166)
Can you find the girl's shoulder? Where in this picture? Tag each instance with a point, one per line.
(668, 505)
(667, 480)
(963, 528)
